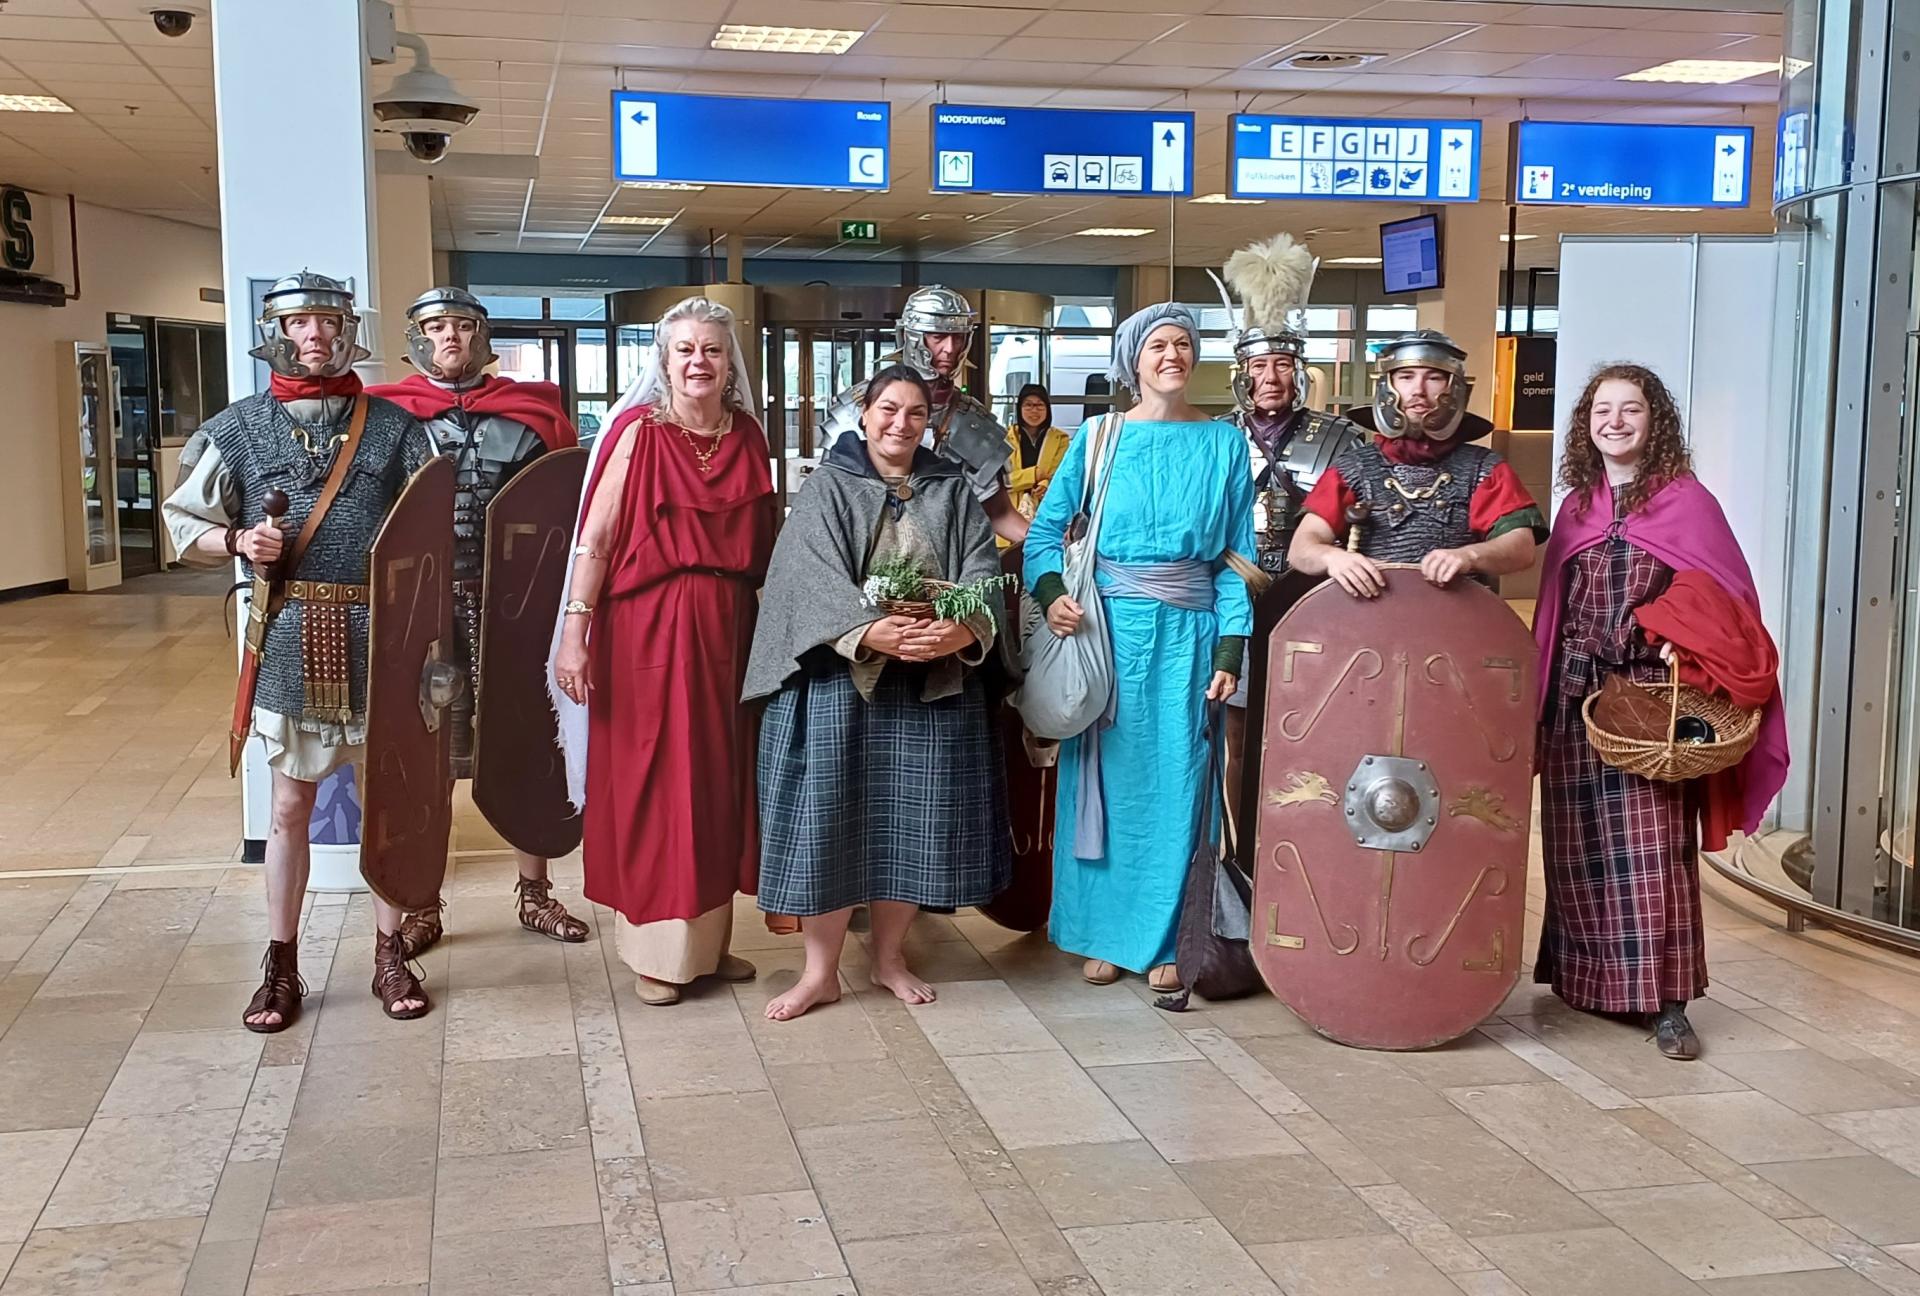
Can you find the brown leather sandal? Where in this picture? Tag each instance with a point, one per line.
(422, 929)
(281, 992)
(394, 980)
(540, 912)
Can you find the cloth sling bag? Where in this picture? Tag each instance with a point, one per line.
(1069, 679)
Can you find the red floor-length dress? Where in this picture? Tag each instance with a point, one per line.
(670, 831)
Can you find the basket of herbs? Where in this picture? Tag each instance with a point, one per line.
(899, 586)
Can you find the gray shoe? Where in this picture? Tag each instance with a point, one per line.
(1673, 1033)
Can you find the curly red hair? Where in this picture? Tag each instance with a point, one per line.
(1665, 458)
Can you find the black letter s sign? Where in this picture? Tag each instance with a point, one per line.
(15, 212)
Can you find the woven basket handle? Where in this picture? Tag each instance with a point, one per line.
(1673, 714)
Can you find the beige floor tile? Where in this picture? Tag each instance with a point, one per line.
(344, 1248)
(733, 1242)
(1827, 1282)
(636, 1246)
(1866, 1195)
(890, 1178)
(144, 1258)
(838, 1032)
(1584, 1262)
(1473, 1059)
(200, 1007)
(1189, 1111)
(1084, 1184)
(1039, 1100)
(34, 1161)
(1352, 1266)
(325, 1164)
(529, 1189)
(1279, 1199)
(813, 1287)
(529, 1104)
(534, 961)
(979, 1264)
(211, 964)
(1428, 1234)
(1812, 1083)
(843, 1093)
(1724, 1031)
(1345, 1084)
(1195, 1257)
(1558, 1067)
(142, 1167)
(724, 1145)
(1583, 1148)
(510, 1021)
(972, 1017)
(1751, 1127)
(184, 1071)
(1894, 1134)
(1042, 1248)
(1335, 1150)
(240, 1202)
(1704, 1231)
(559, 1260)
(693, 1049)
(1469, 1178)
(1259, 1016)
(1623, 1056)
(1125, 1037)
(395, 1081)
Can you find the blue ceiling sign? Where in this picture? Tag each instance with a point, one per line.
(1055, 150)
(1382, 159)
(1593, 164)
(781, 143)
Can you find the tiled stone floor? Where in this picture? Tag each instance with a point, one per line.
(542, 1131)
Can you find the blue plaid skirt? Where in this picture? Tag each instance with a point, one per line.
(893, 799)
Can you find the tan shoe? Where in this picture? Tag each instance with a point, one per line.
(1100, 972)
(1165, 979)
(734, 968)
(656, 994)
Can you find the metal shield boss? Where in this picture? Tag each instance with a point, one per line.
(1391, 857)
(519, 775)
(407, 814)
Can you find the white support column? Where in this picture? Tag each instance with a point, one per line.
(296, 190)
(403, 205)
(1467, 309)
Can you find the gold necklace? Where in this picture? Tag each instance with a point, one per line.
(716, 437)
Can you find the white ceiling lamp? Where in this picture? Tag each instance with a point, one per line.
(674, 185)
(1325, 60)
(1706, 71)
(640, 222)
(33, 103)
(784, 40)
(1353, 261)
(1517, 238)
(1221, 200)
(1112, 231)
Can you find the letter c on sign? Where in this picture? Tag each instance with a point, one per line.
(15, 212)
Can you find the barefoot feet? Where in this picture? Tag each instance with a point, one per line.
(906, 987)
(810, 992)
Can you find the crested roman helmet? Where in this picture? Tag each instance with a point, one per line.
(929, 310)
(307, 293)
(1272, 279)
(1422, 349)
(437, 303)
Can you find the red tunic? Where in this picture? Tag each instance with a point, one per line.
(670, 829)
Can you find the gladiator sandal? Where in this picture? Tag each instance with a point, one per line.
(280, 992)
(394, 979)
(422, 929)
(540, 912)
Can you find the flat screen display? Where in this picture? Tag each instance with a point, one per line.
(1410, 254)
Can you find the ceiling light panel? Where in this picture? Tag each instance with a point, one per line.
(643, 222)
(33, 103)
(1706, 71)
(1112, 231)
(1355, 260)
(1221, 200)
(784, 40)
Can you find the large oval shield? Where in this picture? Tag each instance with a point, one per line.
(407, 812)
(1391, 875)
(1031, 788)
(519, 777)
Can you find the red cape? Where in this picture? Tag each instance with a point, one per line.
(538, 405)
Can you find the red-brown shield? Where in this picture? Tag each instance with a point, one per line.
(1391, 877)
(407, 812)
(1031, 784)
(519, 777)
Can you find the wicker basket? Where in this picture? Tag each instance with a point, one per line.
(920, 608)
(1668, 761)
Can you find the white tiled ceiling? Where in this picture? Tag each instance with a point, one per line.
(142, 136)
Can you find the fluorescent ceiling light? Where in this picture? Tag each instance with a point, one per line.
(1705, 71)
(1517, 238)
(784, 40)
(1111, 231)
(662, 184)
(1221, 200)
(645, 222)
(33, 103)
(1354, 261)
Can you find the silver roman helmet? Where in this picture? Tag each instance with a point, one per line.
(308, 293)
(436, 303)
(932, 309)
(1272, 279)
(1422, 349)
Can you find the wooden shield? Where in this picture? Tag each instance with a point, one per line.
(1391, 876)
(1031, 786)
(407, 813)
(519, 777)
(1244, 765)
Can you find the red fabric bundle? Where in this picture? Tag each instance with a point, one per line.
(1719, 641)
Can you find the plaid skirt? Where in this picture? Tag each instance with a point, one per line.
(889, 799)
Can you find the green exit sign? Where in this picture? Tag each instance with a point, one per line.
(859, 231)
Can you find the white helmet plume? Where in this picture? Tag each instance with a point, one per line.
(1272, 279)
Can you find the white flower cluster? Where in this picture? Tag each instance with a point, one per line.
(873, 591)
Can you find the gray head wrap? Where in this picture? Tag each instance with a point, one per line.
(1130, 339)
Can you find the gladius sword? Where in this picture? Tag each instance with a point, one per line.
(274, 505)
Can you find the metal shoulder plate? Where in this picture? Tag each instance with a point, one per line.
(1315, 442)
(841, 416)
(975, 439)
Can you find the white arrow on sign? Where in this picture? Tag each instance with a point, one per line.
(639, 142)
(1169, 156)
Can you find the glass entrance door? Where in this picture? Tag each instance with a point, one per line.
(536, 355)
(806, 366)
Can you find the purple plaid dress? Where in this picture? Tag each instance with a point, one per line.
(1623, 931)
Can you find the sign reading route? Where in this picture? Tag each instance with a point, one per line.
(1594, 164)
(717, 140)
(1048, 150)
(1383, 159)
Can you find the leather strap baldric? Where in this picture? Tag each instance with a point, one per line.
(336, 478)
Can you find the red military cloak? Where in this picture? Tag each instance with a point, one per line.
(537, 405)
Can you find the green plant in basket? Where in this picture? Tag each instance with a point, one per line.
(958, 602)
(898, 584)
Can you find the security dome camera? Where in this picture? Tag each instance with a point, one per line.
(174, 20)
(422, 107)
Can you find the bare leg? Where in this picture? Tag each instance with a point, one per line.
(891, 918)
(289, 857)
(388, 920)
(532, 867)
(825, 935)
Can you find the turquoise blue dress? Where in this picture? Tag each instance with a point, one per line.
(1179, 491)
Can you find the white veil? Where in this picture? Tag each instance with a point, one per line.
(650, 388)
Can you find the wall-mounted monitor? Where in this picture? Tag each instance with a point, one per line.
(1411, 255)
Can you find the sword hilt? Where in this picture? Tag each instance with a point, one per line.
(1357, 517)
(275, 505)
